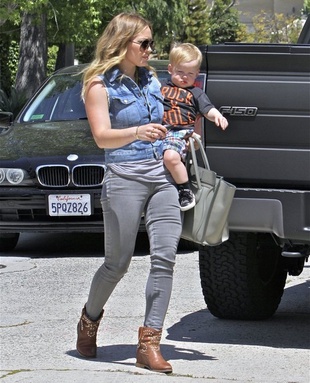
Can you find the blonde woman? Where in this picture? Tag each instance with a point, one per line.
(124, 106)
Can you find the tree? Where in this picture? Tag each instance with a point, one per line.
(9, 34)
(306, 8)
(6, 59)
(28, 16)
(276, 28)
(75, 23)
(43, 22)
(197, 23)
(33, 56)
(168, 18)
(224, 22)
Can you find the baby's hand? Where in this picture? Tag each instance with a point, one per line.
(196, 145)
(196, 135)
(221, 122)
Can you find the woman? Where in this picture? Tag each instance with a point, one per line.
(124, 108)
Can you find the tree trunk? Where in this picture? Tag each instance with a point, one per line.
(5, 73)
(65, 55)
(32, 54)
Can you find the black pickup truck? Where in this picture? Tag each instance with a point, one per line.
(51, 171)
(264, 91)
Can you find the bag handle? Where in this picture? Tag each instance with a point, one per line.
(196, 138)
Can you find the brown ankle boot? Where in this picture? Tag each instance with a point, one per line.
(148, 351)
(87, 335)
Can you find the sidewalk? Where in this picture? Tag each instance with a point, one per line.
(41, 301)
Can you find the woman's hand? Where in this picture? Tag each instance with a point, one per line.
(150, 132)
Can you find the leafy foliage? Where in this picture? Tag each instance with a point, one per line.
(306, 7)
(12, 10)
(197, 23)
(12, 101)
(9, 50)
(167, 17)
(82, 21)
(74, 21)
(276, 28)
(224, 22)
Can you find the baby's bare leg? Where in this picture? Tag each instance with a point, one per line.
(176, 167)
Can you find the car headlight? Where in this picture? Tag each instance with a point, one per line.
(2, 175)
(13, 176)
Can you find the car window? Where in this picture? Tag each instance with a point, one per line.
(58, 100)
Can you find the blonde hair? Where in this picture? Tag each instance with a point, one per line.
(112, 45)
(183, 53)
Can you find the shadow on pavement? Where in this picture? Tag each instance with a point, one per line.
(54, 245)
(68, 245)
(120, 353)
(288, 328)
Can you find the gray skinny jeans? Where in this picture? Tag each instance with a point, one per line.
(123, 201)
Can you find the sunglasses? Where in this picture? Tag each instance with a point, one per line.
(146, 44)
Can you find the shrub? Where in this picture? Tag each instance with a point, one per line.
(12, 102)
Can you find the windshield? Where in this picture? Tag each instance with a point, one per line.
(58, 100)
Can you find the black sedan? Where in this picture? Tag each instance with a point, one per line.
(51, 171)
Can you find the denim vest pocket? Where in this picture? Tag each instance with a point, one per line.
(124, 111)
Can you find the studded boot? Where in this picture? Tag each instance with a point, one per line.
(87, 335)
(148, 351)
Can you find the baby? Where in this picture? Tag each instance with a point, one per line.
(183, 103)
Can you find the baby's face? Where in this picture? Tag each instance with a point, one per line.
(184, 75)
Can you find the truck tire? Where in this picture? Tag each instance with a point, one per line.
(185, 245)
(8, 241)
(244, 277)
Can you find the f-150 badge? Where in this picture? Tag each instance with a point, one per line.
(242, 111)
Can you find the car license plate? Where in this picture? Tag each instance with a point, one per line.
(69, 204)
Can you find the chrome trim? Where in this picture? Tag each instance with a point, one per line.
(83, 175)
(93, 176)
(53, 175)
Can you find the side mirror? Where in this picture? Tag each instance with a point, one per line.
(6, 121)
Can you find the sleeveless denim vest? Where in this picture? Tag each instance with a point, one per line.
(133, 105)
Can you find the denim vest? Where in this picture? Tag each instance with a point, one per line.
(133, 105)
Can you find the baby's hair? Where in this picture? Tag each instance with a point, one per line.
(183, 53)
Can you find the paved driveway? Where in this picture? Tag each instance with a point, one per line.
(44, 285)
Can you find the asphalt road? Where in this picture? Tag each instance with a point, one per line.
(44, 284)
